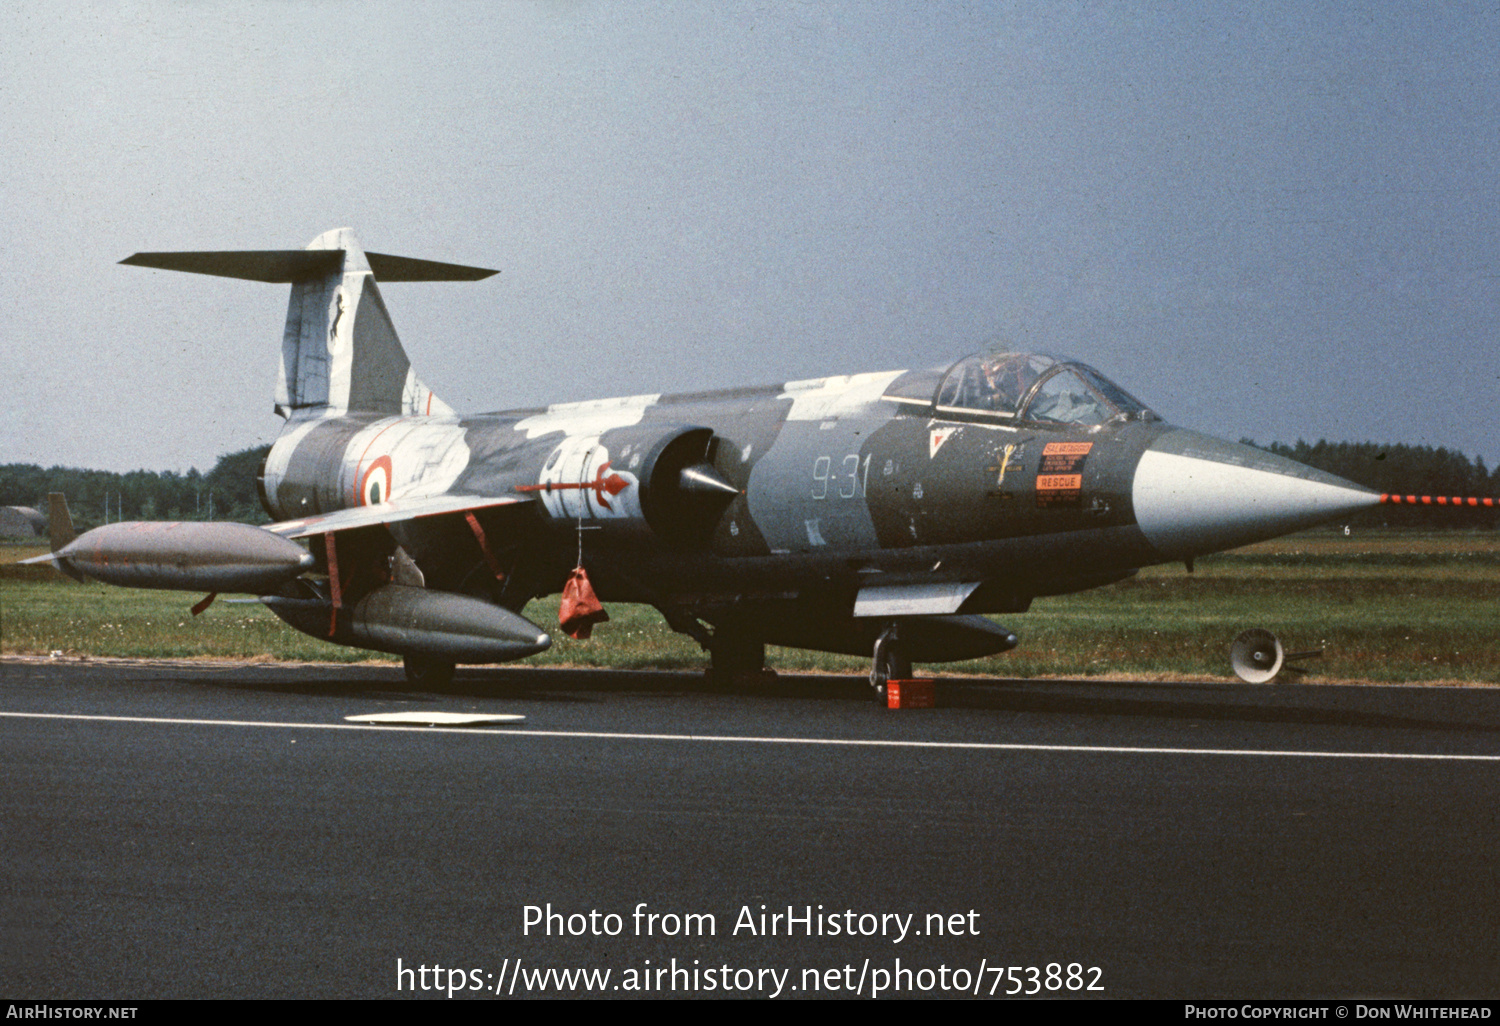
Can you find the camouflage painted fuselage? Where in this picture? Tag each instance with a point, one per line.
(841, 490)
(821, 514)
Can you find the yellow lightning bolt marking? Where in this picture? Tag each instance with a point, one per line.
(1005, 462)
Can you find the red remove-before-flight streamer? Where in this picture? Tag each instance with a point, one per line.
(1437, 500)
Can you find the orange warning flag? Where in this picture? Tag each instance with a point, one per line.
(580, 606)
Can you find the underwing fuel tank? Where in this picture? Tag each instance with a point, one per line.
(186, 556)
(405, 620)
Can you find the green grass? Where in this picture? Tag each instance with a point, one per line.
(1417, 608)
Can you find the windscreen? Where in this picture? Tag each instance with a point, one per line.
(993, 382)
(1036, 386)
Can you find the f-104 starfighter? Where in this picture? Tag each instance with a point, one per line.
(884, 513)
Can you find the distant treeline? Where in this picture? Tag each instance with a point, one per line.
(228, 492)
(1403, 470)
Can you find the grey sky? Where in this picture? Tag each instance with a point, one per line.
(1277, 222)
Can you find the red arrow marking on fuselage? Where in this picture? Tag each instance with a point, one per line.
(614, 484)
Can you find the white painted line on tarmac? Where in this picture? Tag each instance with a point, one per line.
(436, 718)
(742, 739)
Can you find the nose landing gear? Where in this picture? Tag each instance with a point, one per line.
(891, 662)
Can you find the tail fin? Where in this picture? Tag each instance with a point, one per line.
(59, 521)
(339, 353)
(60, 529)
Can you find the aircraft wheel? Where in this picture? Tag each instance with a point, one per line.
(427, 672)
(733, 655)
(890, 663)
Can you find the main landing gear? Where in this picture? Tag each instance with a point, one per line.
(427, 672)
(736, 656)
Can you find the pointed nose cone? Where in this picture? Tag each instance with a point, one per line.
(1195, 494)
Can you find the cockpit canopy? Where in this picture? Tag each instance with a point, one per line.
(1020, 386)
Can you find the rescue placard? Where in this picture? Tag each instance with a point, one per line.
(1059, 480)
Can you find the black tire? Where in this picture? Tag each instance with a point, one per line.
(427, 671)
(736, 655)
(890, 664)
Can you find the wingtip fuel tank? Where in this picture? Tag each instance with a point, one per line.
(186, 556)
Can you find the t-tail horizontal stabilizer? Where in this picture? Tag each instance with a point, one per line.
(288, 266)
(339, 353)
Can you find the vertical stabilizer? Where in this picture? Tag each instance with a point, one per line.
(59, 521)
(340, 353)
(60, 529)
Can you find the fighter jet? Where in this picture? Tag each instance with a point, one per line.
(882, 513)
